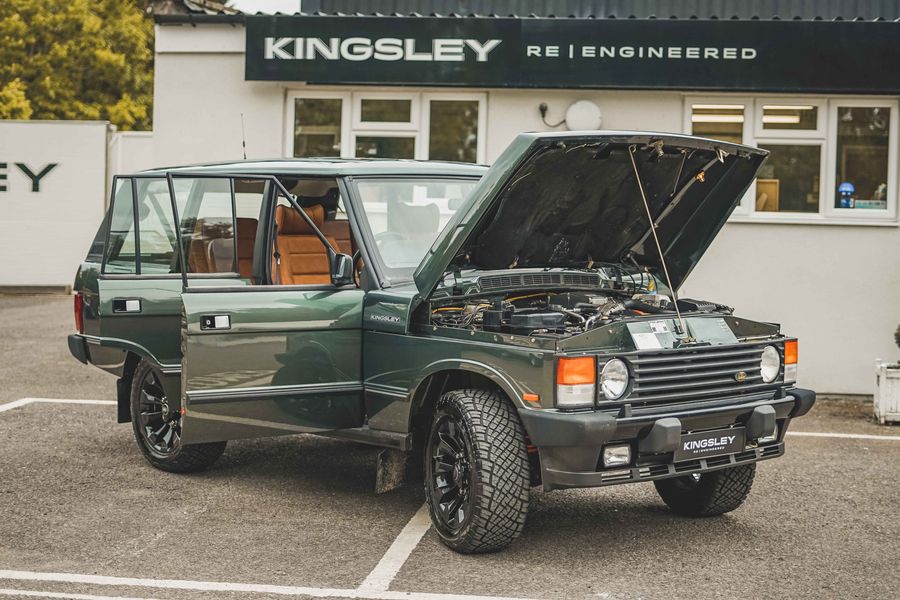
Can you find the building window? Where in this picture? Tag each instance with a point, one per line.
(804, 117)
(437, 126)
(374, 146)
(453, 130)
(861, 169)
(831, 160)
(374, 110)
(789, 181)
(317, 126)
(719, 121)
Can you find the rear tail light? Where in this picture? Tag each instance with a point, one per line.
(576, 381)
(790, 361)
(79, 312)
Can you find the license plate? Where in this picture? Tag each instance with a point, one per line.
(710, 443)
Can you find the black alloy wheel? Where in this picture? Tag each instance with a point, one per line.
(159, 424)
(476, 471)
(450, 475)
(156, 422)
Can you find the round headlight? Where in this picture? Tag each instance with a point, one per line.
(614, 379)
(770, 364)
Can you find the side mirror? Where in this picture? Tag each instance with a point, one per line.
(341, 270)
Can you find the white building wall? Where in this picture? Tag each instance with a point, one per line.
(45, 233)
(129, 152)
(835, 287)
(511, 112)
(200, 94)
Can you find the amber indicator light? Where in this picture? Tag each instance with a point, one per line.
(790, 352)
(576, 371)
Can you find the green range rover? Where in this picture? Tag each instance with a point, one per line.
(507, 327)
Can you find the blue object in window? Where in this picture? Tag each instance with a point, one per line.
(845, 191)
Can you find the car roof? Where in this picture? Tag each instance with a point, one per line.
(334, 167)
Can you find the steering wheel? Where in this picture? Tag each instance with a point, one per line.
(386, 236)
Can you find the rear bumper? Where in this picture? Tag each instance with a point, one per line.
(570, 444)
(78, 347)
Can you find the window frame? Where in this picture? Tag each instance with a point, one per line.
(760, 132)
(823, 166)
(114, 187)
(869, 214)
(290, 113)
(747, 203)
(352, 127)
(825, 135)
(415, 105)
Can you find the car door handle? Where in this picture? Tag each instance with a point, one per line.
(126, 305)
(215, 322)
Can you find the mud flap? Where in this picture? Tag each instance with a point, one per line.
(391, 470)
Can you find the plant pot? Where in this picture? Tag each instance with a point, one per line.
(887, 392)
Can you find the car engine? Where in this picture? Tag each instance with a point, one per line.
(561, 314)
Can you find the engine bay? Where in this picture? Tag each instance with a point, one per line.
(561, 314)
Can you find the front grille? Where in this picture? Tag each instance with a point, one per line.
(696, 373)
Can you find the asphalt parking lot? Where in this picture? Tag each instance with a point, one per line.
(83, 516)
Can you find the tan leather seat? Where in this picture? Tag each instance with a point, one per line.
(246, 242)
(198, 261)
(339, 229)
(304, 259)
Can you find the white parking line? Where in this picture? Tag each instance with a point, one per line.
(67, 596)
(222, 586)
(379, 580)
(25, 401)
(846, 436)
(375, 586)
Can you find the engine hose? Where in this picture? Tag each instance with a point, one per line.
(644, 307)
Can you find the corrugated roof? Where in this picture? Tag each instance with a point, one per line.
(640, 9)
(825, 10)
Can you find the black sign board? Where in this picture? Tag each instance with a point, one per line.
(769, 56)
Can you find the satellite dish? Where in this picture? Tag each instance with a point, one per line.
(583, 115)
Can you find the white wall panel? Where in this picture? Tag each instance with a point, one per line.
(45, 234)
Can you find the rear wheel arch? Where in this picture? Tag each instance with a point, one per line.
(133, 359)
(123, 387)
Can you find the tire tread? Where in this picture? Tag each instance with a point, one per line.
(501, 461)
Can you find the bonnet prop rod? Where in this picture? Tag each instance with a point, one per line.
(662, 258)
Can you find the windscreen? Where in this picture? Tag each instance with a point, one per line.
(405, 215)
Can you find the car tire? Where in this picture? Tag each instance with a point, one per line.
(707, 494)
(157, 429)
(476, 462)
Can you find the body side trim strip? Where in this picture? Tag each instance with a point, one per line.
(266, 392)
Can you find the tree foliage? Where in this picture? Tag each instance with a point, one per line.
(76, 59)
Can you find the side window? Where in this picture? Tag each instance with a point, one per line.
(248, 201)
(156, 228)
(121, 247)
(207, 225)
(301, 257)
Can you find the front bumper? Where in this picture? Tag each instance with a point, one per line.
(570, 444)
